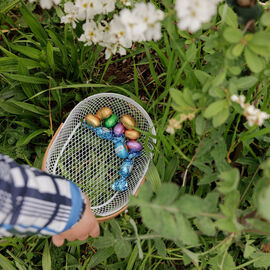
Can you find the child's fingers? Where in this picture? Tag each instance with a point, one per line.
(58, 240)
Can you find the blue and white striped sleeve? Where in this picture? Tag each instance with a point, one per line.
(34, 202)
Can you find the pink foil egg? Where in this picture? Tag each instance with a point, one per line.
(134, 146)
(119, 129)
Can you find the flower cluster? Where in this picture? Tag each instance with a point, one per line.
(142, 23)
(176, 124)
(254, 116)
(193, 13)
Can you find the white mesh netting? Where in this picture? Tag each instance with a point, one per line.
(80, 155)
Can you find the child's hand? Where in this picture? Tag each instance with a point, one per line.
(86, 226)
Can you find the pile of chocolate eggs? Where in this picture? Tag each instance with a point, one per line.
(117, 132)
(123, 127)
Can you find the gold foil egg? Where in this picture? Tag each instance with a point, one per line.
(104, 113)
(128, 121)
(132, 134)
(92, 120)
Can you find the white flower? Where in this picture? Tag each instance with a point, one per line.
(126, 2)
(92, 33)
(193, 13)
(239, 99)
(118, 33)
(108, 6)
(142, 22)
(88, 8)
(253, 115)
(71, 14)
(47, 3)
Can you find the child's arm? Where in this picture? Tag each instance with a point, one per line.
(34, 202)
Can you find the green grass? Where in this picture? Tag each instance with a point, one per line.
(203, 206)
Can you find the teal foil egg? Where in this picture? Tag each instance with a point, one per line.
(111, 121)
(121, 150)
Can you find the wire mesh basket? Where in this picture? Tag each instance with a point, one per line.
(79, 155)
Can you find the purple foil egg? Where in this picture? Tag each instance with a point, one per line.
(119, 129)
(134, 146)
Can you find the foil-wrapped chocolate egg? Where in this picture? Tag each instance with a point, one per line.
(119, 129)
(126, 168)
(120, 184)
(104, 113)
(128, 121)
(134, 146)
(92, 120)
(111, 121)
(132, 134)
(121, 150)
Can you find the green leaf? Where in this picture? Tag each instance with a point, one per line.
(46, 257)
(206, 226)
(263, 203)
(161, 247)
(153, 176)
(179, 102)
(104, 242)
(100, 256)
(200, 124)
(5, 6)
(27, 138)
(228, 15)
(223, 261)
(167, 194)
(265, 19)
(191, 53)
(28, 51)
(254, 62)
(227, 224)
(6, 263)
(170, 169)
(230, 181)
(249, 249)
(29, 107)
(161, 166)
(218, 80)
(259, 225)
(245, 82)
(34, 25)
(50, 56)
(186, 233)
(262, 261)
(202, 76)
(25, 78)
(187, 95)
(116, 228)
(215, 107)
(237, 49)
(221, 117)
(232, 35)
(122, 248)
(10, 107)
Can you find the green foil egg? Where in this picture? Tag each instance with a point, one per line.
(111, 121)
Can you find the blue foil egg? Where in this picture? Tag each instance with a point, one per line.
(104, 133)
(121, 150)
(120, 185)
(132, 155)
(120, 139)
(126, 168)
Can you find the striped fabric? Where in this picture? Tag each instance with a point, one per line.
(34, 202)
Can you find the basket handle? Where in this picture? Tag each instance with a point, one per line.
(99, 219)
